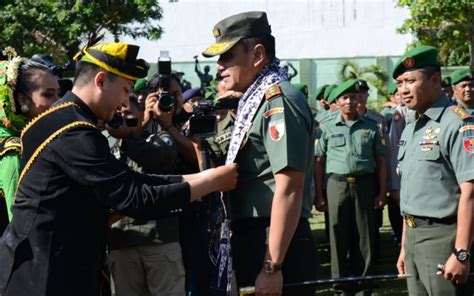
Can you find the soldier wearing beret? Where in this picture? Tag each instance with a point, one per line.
(446, 86)
(436, 160)
(272, 142)
(69, 180)
(351, 151)
(463, 89)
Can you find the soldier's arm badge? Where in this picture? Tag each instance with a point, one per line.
(277, 129)
(469, 143)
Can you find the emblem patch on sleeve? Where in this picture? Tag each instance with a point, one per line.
(469, 144)
(273, 111)
(277, 129)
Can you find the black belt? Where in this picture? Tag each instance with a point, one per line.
(351, 179)
(417, 221)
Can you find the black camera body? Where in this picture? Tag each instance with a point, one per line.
(166, 101)
(203, 124)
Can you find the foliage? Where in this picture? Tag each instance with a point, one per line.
(60, 27)
(445, 24)
(372, 74)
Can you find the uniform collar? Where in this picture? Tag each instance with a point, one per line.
(434, 112)
(340, 120)
(71, 97)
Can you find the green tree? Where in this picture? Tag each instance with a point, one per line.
(445, 24)
(372, 74)
(60, 27)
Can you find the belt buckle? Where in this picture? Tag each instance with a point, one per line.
(351, 180)
(410, 221)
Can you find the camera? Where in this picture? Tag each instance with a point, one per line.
(203, 124)
(166, 101)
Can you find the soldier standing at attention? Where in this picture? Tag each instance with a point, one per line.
(436, 158)
(350, 150)
(272, 142)
(463, 89)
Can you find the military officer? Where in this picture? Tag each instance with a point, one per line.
(389, 107)
(323, 104)
(272, 141)
(69, 180)
(446, 85)
(351, 152)
(463, 89)
(436, 158)
(382, 128)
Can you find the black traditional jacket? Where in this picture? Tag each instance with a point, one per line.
(69, 181)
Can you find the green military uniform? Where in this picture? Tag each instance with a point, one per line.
(436, 151)
(278, 138)
(350, 149)
(458, 77)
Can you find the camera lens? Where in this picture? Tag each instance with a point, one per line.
(166, 102)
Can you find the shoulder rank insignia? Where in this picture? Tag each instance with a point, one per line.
(272, 92)
(460, 112)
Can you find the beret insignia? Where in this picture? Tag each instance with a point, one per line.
(408, 62)
(216, 32)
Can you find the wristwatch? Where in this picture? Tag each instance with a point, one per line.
(271, 267)
(462, 255)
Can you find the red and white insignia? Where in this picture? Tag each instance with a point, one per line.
(277, 129)
(408, 62)
(469, 144)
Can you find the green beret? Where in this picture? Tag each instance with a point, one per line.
(234, 28)
(320, 91)
(140, 84)
(117, 58)
(328, 90)
(302, 88)
(414, 59)
(350, 85)
(461, 75)
(392, 88)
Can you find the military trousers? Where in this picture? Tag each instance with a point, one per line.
(249, 245)
(425, 247)
(351, 226)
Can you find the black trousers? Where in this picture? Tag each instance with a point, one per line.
(249, 247)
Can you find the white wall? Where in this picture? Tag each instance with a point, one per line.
(303, 28)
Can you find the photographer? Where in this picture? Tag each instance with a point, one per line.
(148, 248)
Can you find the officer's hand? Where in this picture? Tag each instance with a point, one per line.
(321, 204)
(269, 284)
(401, 262)
(455, 271)
(150, 102)
(164, 118)
(380, 201)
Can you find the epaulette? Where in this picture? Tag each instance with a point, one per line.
(460, 113)
(272, 92)
(10, 144)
